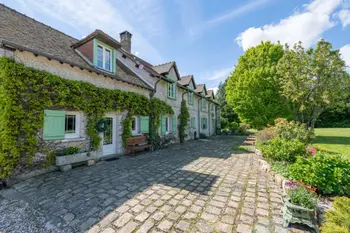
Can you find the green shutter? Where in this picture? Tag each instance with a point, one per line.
(114, 61)
(175, 89)
(174, 124)
(54, 122)
(163, 126)
(193, 122)
(144, 124)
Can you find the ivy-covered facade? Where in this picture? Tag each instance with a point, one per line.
(58, 92)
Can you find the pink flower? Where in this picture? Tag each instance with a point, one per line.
(311, 149)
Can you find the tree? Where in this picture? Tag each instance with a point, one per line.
(226, 111)
(184, 118)
(312, 80)
(253, 89)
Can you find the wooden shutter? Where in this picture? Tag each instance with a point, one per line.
(144, 122)
(54, 122)
(193, 122)
(175, 89)
(173, 124)
(163, 126)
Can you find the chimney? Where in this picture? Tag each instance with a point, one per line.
(125, 40)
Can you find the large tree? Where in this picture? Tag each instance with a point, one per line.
(253, 89)
(226, 110)
(312, 79)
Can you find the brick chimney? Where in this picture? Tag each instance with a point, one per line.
(125, 40)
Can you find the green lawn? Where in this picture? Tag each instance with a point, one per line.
(334, 140)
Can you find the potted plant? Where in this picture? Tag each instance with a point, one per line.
(300, 207)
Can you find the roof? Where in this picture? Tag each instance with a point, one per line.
(210, 94)
(185, 80)
(24, 33)
(101, 36)
(199, 88)
(166, 67)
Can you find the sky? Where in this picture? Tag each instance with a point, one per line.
(205, 38)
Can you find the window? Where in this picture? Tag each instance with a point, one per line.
(172, 90)
(190, 97)
(104, 58)
(204, 123)
(135, 126)
(167, 125)
(204, 103)
(72, 125)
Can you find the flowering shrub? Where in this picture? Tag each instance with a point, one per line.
(279, 149)
(302, 197)
(265, 135)
(338, 219)
(329, 173)
(289, 130)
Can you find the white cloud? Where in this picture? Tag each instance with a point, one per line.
(244, 9)
(345, 52)
(101, 14)
(219, 74)
(344, 16)
(306, 26)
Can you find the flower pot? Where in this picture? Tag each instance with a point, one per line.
(65, 162)
(297, 214)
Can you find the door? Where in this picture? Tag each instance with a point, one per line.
(109, 136)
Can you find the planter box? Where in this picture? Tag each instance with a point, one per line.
(65, 162)
(297, 214)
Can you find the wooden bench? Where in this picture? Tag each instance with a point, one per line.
(136, 144)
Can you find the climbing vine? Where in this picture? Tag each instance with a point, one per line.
(184, 117)
(126, 129)
(25, 93)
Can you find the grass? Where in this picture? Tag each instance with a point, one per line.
(333, 140)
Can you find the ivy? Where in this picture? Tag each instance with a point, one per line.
(25, 93)
(184, 117)
(126, 129)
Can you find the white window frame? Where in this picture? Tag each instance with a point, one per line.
(136, 131)
(190, 97)
(171, 90)
(104, 58)
(167, 125)
(77, 125)
(204, 103)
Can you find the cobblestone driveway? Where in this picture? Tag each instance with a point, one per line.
(200, 186)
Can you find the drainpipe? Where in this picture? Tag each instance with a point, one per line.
(199, 116)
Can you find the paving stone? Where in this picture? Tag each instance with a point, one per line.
(146, 226)
(190, 215)
(243, 228)
(180, 209)
(68, 217)
(223, 227)
(246, 219)
(195, 208)
(261, 229)
(109, 230)
(158, 216)
(129, 227)
(183, 225)
(165, 225)
(108, 219)
(209, 217)
(142, 216)
(262, 212)
(122, 220)
(204, 227)
(229, 219)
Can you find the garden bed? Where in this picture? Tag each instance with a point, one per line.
(65, 162)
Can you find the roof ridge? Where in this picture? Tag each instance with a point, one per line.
(165, 63)
(26, 16)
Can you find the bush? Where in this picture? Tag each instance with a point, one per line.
(281, 168)
(329, 173)
(279, 149)
(242, 129)
(338, 220)
(68, 151)
(289, 130)
(302, 197)
(233, 126)
(224, 123)
(265, 135)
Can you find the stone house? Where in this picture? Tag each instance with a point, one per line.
(103, 61)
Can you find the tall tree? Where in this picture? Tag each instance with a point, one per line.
(226, 111)
(312, 79)
(253, 89)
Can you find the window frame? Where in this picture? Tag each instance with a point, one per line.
(104, 49)
(77, 125)
(190, 97)
(167, 125)
(204, 103)
(171, 90)
(136, 131)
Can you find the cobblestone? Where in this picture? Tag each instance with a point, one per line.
(192, 187)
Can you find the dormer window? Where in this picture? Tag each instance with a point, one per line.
(104, 57)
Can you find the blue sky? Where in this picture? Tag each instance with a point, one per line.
(204, 37)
